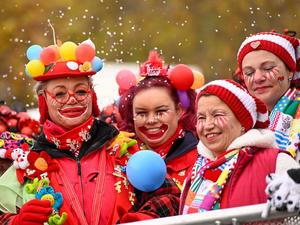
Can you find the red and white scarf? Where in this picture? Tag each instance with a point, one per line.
(71, 140)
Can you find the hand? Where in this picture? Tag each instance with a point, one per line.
(284, 191)
(34, 212)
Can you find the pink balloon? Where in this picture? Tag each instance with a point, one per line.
(125, 79)
(85, 52)
(181, 76)
(48, 55)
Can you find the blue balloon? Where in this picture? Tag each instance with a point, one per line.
(146, 170)
(33, 52)
(97, 64)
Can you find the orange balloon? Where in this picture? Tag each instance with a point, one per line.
(198, 80)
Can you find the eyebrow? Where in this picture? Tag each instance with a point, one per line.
(156, 108)
(262, 64)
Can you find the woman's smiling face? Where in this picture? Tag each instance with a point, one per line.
(155, 116)
(69, 101)
(217, 126)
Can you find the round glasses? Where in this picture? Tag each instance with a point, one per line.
(143, 117)
(63, 97)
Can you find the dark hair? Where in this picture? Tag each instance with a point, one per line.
(188, 119)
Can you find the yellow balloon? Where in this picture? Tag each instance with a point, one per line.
(67, 50)
(35, 68)
(198, 80)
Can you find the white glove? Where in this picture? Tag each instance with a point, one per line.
(284, 190)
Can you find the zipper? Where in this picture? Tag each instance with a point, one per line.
(81, 184)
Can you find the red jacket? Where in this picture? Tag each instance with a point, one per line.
(247, 182)
(95, 192)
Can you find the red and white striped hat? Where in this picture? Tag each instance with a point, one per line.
(249, 110)
(285, 47)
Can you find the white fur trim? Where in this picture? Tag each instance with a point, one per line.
(262, 138)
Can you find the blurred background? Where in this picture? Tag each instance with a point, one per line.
(202, 33)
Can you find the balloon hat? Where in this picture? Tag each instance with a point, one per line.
(65, 60)
(62, 60)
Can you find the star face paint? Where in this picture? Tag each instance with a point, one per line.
(266, 76)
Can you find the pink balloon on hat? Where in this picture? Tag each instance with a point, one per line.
(89, 42)
(48, 55)
(125, 79)
(85, 52)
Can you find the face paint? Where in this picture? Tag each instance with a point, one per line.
(272, 74)
(221, 121)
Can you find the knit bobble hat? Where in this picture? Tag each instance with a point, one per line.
(285, 47)
(250, 111)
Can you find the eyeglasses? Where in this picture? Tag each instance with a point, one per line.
(143, 117)
(63, 97)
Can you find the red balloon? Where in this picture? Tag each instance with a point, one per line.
(181, 76)
(125, 79)
(48, 56)
(2, 128)
(27, 131)
(85, 52)
(12, 123)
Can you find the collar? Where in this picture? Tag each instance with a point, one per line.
(261, 138)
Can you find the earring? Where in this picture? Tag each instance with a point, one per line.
(290, 78)
(243, 130)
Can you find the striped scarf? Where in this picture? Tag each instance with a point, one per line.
(285, 122)
(208, 180)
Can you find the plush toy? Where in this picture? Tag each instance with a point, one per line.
(56, 198)
(283, 191)
(43, 191)
(122, 142)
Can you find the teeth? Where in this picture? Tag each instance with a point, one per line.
(153, 129)
(210, 135)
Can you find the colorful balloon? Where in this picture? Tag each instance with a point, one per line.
(199, 80)
(146, 170)
(184, 99)
(97, 64)
(125, 79)
(67, 50)
(33, 52)
(181, 76)
(35, 68)
(85, 52)
(48, 56)
(89, 42)
(56, 50)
